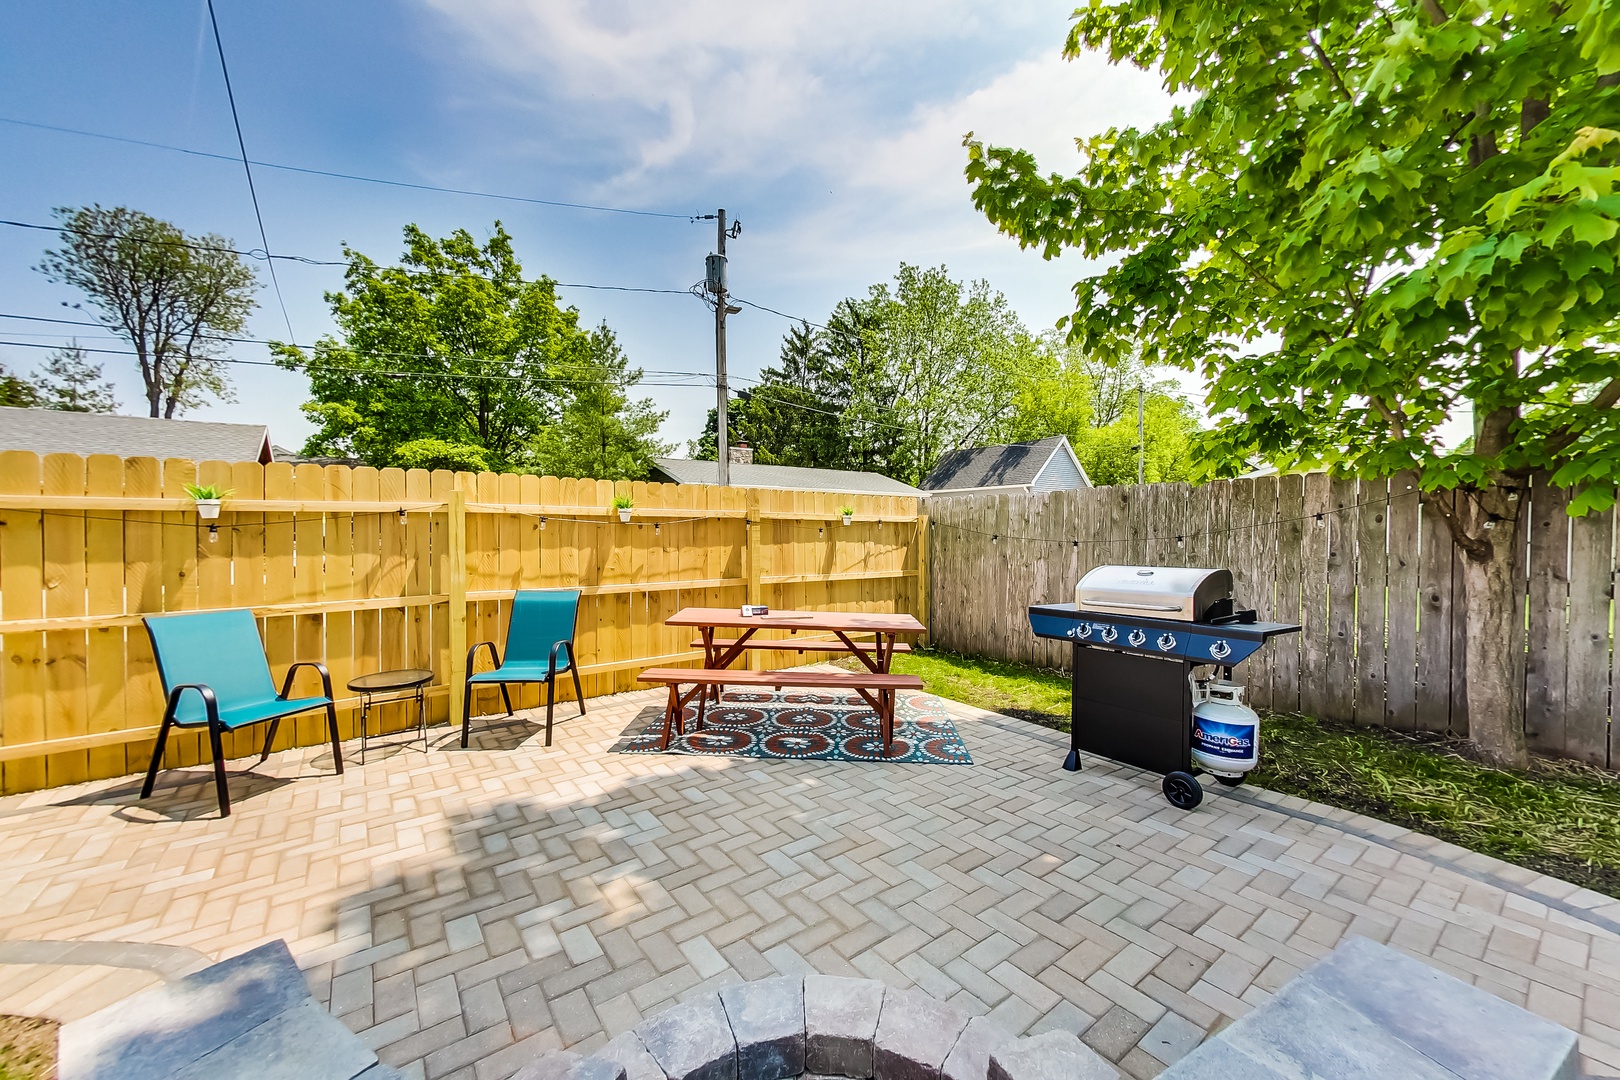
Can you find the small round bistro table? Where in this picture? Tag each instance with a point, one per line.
(407, 683)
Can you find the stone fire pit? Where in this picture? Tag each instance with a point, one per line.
(823, 1026)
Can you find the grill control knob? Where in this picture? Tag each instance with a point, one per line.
(1220, 650)
(1166, 642)
(1109, 633)
(1137, 638)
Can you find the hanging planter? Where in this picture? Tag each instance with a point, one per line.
(849, 515)
(208, 499)
(622, 504)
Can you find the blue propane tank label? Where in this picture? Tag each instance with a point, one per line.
(1216, 739)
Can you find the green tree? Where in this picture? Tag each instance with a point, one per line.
(946, 357)
(1360, 219)
(1064, 390)
(795, 415)
(452, 345)
(17, 391)
(177, 298)
(601, 433)
(72, 383)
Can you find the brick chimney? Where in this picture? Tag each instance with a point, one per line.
(741, 454)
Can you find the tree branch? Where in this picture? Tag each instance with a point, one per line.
(1607, 398)
(1396, 428)
(1327, 65)
(1476, 547)
(1434, 11)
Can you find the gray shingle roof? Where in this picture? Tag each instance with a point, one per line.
(1015, 464)
(784, 477)
(46, 431)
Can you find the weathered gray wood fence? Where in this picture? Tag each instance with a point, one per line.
(1372, 578)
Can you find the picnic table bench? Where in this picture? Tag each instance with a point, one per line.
(876, 689)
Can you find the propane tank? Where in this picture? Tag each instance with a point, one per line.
(1226, 732)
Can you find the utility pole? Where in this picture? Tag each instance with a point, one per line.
(715, 282)
(1141, 438)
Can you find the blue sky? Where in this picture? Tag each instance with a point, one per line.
(832, 130)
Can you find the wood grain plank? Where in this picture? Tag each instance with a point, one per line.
(1371, 601)
(1586, 694)
(1547, 628)
(1434, 655)
(1339, 675)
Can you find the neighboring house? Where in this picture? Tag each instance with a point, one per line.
(744, 473)
(1047, 465)
(48, 431)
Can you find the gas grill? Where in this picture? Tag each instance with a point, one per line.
(1143, 638)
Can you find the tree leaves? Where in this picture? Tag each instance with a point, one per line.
(1366, 220)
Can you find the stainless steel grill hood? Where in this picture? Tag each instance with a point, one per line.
(1189, 594)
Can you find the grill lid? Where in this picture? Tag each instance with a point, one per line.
(1161, 592)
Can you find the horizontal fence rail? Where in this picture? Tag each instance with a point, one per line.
(1369, 572)
(372, 569)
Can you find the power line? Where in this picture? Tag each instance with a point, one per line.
(376, 353)
(230, 95)
(264, 256)
(348, 176)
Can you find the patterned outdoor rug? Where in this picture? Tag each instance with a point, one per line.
(821, 726)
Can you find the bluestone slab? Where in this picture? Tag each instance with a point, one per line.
(304, 1042)
(567, 1065)
(969, 1059)
(915, 1034)
(767, 1020)
(1051, 1055)
(692, 1040)
(1303, 1030)
(1473, 1033)
(1216, 1059)
(156, 1034)
(626, 1049)
(840, 1021)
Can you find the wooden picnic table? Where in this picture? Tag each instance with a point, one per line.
(877, 686)
(841, 624)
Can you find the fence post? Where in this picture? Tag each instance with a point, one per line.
(752, 571)
(456, 543)
(924, 592)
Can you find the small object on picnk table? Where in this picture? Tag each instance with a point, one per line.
(749, 610)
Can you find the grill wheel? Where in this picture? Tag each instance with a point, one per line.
(1182, 790)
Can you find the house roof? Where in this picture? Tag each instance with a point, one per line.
(48, 431)
(1011, 465)
(784, 477)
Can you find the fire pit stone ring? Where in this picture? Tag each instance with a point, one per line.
(822, 1026)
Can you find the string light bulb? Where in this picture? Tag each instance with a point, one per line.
(1320, 523)
(994, 537)
(402, 515)
(821, 531)
(658, 527)
(542, 524)
(213, 534)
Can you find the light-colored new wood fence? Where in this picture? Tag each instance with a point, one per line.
(1371, 576)
(369, 569)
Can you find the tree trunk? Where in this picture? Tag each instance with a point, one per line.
(1489, 531)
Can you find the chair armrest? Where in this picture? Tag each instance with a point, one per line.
(204, 691)
(494, 654)
(326, 677)
(551, 668)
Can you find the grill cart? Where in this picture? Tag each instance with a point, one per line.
(1154, 649)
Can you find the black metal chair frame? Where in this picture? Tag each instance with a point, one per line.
(550, 681)
(217, 730)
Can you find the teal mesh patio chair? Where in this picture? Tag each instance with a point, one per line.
(215, 675)
(539, 645)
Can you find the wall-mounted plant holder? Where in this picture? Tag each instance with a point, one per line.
(622, 504)
(849, 515)
(208, 499)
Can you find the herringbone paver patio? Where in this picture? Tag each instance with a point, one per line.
(463, 910)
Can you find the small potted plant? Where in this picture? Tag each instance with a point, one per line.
(849, 514)
(207, 497)
(623, 503)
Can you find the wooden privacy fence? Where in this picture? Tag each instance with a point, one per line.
(1371, 576)
(369, 569)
